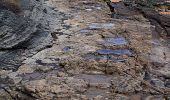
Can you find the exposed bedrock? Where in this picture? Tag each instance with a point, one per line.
(23, 34)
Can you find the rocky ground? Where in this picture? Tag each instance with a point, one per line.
(80, 50)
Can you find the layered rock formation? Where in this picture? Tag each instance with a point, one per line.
(157, 10)
(22, 34)
(96, 54)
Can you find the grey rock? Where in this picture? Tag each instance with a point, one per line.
(23, 35)
(126, 84)
(4, 95)
(158, 83)
(163, 20)
(14, 29)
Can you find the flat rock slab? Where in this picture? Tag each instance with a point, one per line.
(117, 41)
(101, 26)
(115, 52)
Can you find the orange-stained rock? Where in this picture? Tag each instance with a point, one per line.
(115, 0)
(165, 13)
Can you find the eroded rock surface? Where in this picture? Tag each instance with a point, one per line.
(95, 55)
(26, 33)
(15, 29)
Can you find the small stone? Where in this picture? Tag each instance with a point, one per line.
(89, 9)
(155, 98)
(25, 69)
(61, 74)
(12, 75)
(147, 76)
(17, 80)
(4, 73)
(99, 97)
(78, 84)
(83, 97)
(157, 82)
(67, 48)
(44, 68)
(167, 83)
(36, 85)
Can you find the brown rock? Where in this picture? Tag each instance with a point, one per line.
(135, 97)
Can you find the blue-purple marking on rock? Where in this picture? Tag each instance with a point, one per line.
(115, 41)
(84, 30)
(101, 25)
(102, 58)
(67, 48)
(115, 52)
